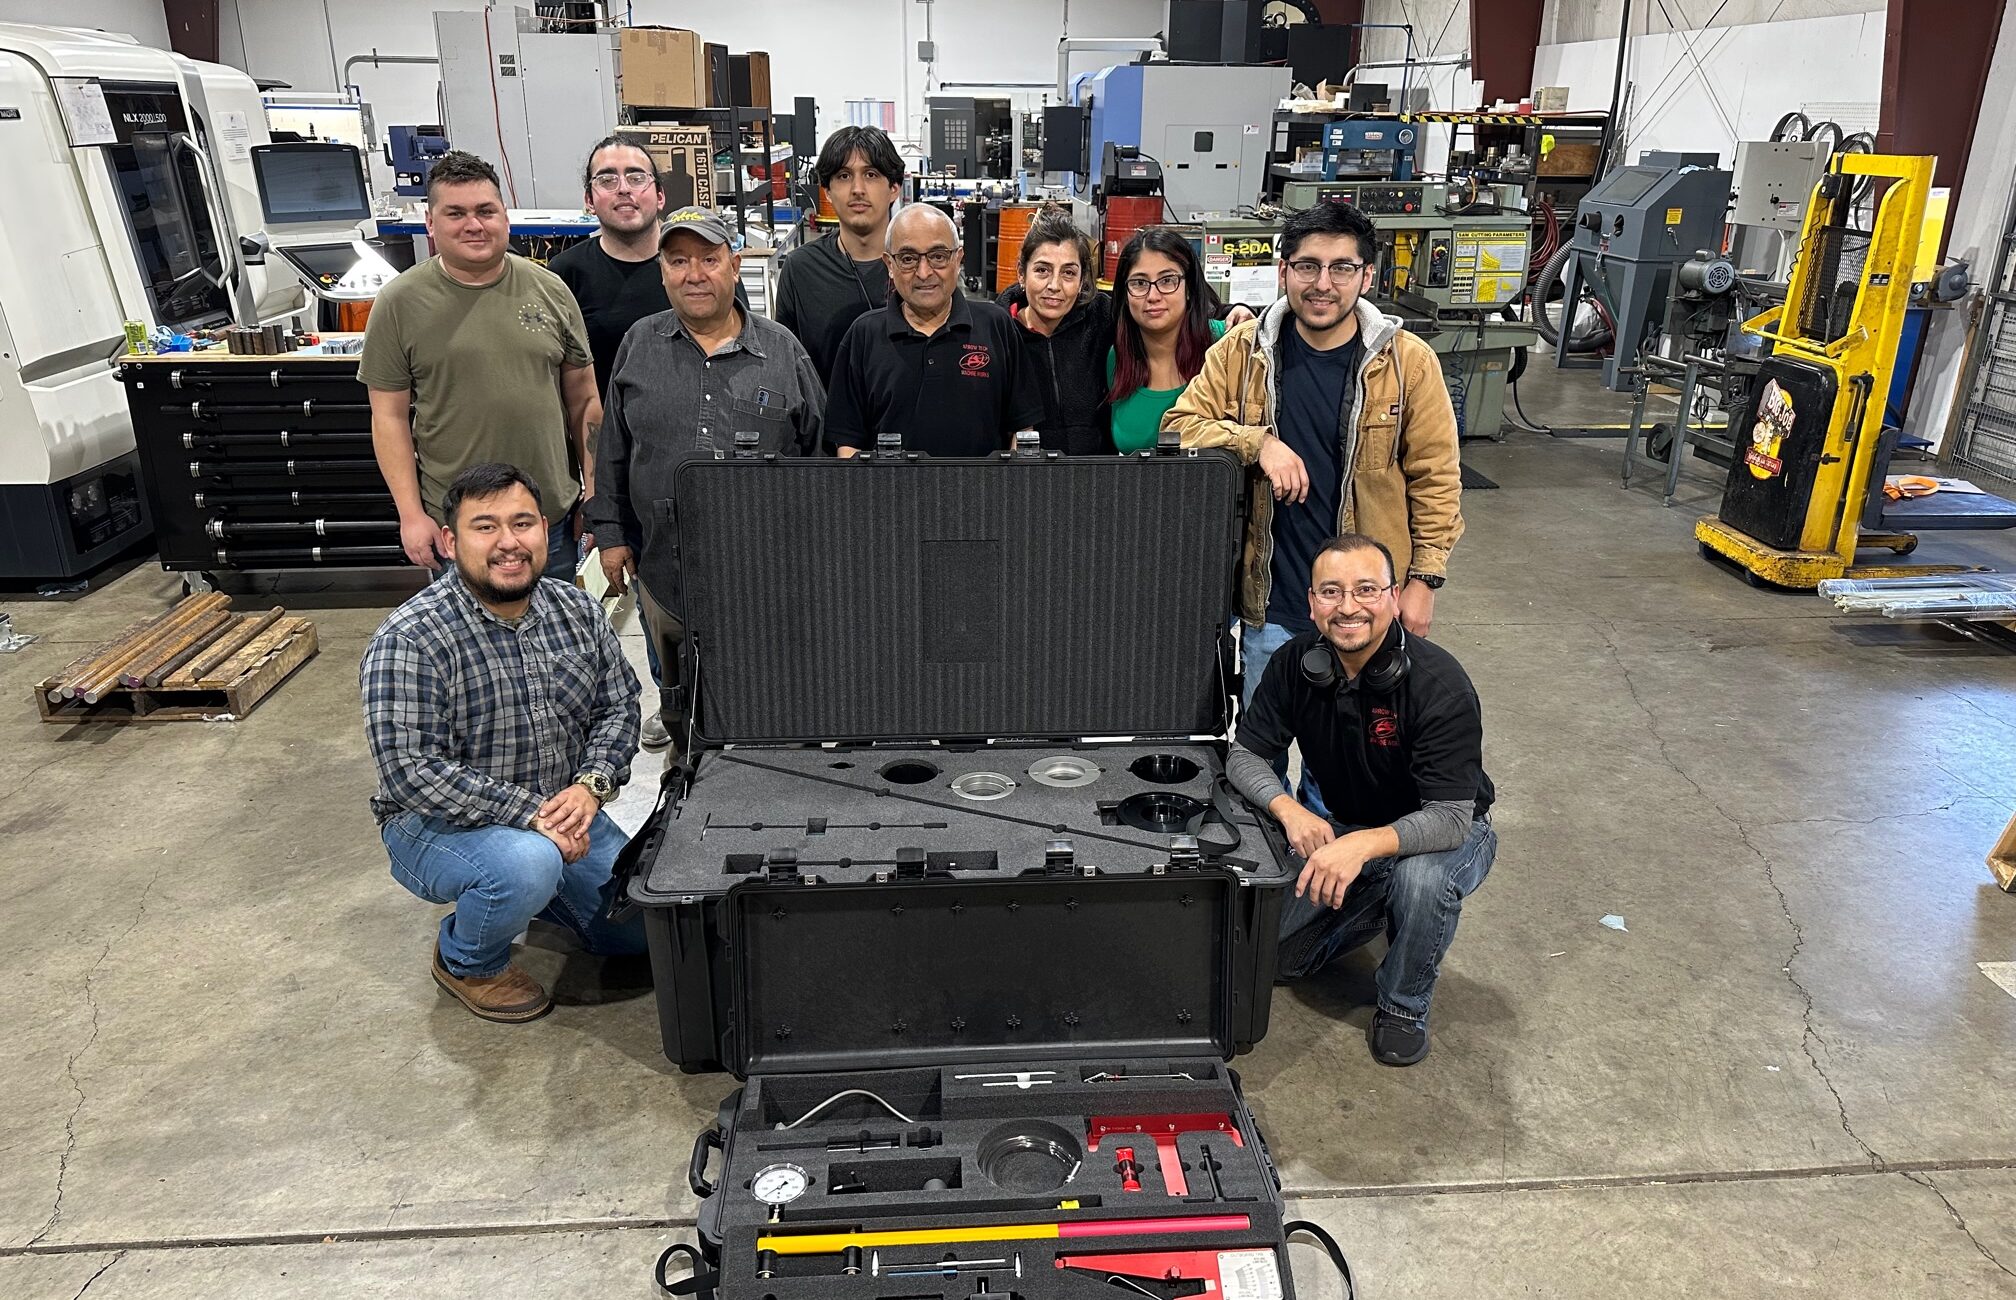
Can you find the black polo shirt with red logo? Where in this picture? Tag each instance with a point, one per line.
(963, 391)
(1375, 757)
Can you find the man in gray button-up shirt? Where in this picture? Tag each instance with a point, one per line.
(683, 384)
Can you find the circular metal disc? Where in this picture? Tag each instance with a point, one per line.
(1064, 770)
(983, 785)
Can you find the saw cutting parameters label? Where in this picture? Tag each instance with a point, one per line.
(1249, 1275)
(1489, 267)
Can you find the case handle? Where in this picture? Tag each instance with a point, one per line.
(701, 1285)
(696, 1167)
(1330, 1248)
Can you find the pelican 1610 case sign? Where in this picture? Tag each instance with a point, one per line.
(953, 880)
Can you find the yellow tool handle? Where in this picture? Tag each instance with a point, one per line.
(832, 1243)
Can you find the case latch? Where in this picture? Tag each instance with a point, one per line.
(1060, 858)
(911, 864)
(889, 443)
(1028, 444)
(748, 445)
(781, 864)
(1168, 442)
(1185, 853)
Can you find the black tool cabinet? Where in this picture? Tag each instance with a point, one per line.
(953, 881)
(260, 462)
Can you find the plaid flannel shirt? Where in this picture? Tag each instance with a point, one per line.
(479, 721)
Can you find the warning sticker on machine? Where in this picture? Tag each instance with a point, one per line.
(1769, 431)
(235, 134)
(1509, 255)
(1249, 1275)
(1674, 216)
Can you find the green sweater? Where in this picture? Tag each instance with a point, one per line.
(1138, 418)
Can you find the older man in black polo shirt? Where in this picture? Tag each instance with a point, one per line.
(946, 374)
(1390, 726)
(683, 385)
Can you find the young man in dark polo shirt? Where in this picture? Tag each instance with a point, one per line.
(1390, 726)
(945, 373)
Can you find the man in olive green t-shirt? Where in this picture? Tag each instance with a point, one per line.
(478, 355)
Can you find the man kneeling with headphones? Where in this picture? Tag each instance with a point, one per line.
(1390, 728)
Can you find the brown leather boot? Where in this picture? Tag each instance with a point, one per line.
(508, 997)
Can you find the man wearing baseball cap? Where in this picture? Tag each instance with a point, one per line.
(684, 383)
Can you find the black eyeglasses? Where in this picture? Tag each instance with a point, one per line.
(939, 258)
(1332, 593)
(1306, 269)
(1139, 285)
(635, 178)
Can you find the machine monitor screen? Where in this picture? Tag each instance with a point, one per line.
(302, 183)
(325, 264)
(1626, 185)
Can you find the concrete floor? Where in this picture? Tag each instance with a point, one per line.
(228, 1073)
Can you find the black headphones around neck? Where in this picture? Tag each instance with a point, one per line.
(1382, 676)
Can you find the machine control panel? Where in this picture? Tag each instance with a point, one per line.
(1378, 200)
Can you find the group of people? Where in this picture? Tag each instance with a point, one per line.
(516, 408)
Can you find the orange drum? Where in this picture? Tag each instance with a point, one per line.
(826, 216)
(1016, 218)
(1125, 214)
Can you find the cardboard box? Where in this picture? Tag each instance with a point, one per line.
(2002, 859)
(750, 77)
(684, 157)
(1570, 158)
(662, 67)
(1550, 99)
(720, 80)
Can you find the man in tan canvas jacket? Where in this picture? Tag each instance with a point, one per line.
(1347, 421)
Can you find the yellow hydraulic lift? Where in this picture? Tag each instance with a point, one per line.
(1806, 439)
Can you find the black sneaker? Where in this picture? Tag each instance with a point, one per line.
(1396, 1041)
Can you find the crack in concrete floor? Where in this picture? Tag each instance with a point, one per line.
(1810, 1033)
(70, 1066)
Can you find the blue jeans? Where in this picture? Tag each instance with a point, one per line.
(1415, 900)
(499, 878)
(1257, 649)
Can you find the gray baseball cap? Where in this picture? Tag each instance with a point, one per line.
(704, 222)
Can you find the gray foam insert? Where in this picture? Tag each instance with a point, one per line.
(760, 801)
(964, 1113)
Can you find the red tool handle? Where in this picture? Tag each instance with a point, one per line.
(1128, 1168)
(1149, 1227)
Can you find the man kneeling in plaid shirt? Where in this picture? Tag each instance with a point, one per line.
(502, 716)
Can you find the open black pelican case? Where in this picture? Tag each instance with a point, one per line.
(955, 883)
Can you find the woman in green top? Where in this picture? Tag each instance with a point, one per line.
(1162, 337)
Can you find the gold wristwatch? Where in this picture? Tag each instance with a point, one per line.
(598, 785)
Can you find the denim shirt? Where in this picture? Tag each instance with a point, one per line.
(669, 403)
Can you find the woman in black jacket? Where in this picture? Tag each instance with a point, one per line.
(1068, 327)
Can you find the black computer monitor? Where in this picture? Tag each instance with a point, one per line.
(309, 182)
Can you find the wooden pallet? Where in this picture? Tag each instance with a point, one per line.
(232, 690)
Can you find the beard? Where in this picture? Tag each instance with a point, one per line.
(488, 588)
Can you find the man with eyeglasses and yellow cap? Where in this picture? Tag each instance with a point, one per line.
(945, 374)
